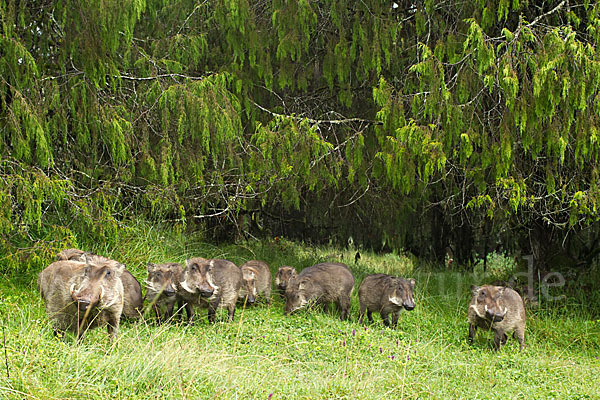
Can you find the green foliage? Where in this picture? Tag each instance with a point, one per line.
(291, 153)
(180, 110)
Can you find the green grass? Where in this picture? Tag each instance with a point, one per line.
(308, 355)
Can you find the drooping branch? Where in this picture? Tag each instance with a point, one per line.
(537, 19)
(319, 121)
(174, 75)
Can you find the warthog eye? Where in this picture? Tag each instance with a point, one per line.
(108, 272)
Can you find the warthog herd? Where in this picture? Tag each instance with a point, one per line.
(82, 291)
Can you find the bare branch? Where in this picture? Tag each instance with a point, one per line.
(150, 78)
(319, 121)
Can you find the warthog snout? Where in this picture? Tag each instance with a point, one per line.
(85, 299)
(206, 292)
(495, 316)
(83, 304)
(409, 305)
(169, 292)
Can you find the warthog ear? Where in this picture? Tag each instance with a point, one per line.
(291, 281)
(151, 267)
(475, 289)
(119, 269)
(412, 283)
(86, 257)
(88, 266)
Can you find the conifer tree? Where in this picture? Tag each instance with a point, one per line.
(405, 125)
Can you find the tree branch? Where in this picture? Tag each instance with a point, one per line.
(319, 121)
(535, 21)
(149, 78)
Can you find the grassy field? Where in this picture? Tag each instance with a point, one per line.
(310, 355)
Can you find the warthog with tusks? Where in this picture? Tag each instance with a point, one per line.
(385, 294)
(497, 308)
(210, 283)
(133, 300)
(161, 287)
(83, 295)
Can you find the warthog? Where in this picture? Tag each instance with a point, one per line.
(497, 308)
(133, 300)
(385, 294)
(161, 287)
(283, 276)
(210, 283)
(321, 283)
(256, 277)
(81, 296)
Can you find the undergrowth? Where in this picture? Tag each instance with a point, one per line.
(266, 355)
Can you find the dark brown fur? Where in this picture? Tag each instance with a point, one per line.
(499, 309)
(283, 276)
(161, 288)
(256, 277)
(80, 296)
(321, 283)
(210, 283)
(385, 294)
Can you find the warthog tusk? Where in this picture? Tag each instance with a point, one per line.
(101, 292)
(211, 283)
(72, 289)
(474, 307)
(486, 309)
(395, 300)
(505, 310)
(185, 286)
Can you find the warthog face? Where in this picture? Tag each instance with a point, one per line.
(97, 285)
(487, 303)
(197, 277)
(161, 280)
(249, 277)
(296, 296)
(283, 277)
(402, 293)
